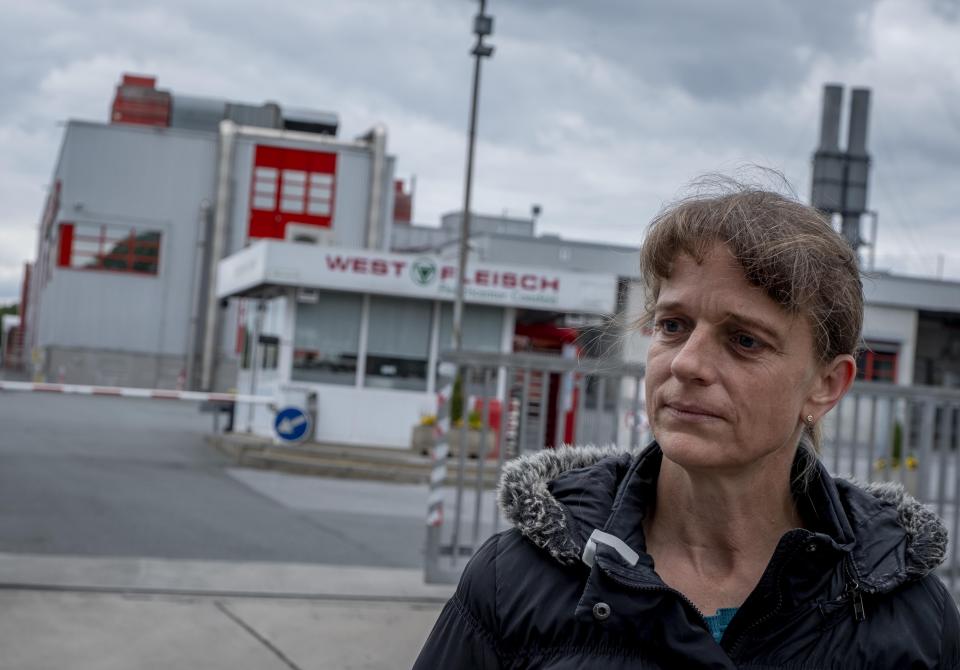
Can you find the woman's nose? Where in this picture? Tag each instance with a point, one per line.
(695, 360)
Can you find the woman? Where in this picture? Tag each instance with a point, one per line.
(725, 543)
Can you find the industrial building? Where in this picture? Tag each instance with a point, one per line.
(319, 286)
(215, 245)
(141, 207)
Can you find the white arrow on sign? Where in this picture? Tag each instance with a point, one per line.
(287, 426)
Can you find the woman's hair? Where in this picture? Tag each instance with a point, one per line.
(786, 248)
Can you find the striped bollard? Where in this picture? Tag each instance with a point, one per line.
(446, 373)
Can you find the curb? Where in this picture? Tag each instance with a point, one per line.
(344, 461)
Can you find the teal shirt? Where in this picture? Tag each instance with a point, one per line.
(718, 622)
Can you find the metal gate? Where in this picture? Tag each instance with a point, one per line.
(514, 404)
(907, 434)
(878, 432)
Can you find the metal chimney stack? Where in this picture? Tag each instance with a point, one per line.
(840, 177)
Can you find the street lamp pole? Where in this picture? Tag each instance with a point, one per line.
(482, 26)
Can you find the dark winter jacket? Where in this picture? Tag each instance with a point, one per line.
(572, 587)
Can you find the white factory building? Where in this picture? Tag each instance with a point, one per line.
(188, 233)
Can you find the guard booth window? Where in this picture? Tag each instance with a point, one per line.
(482, 327)
(269, 349)
(326, 339)
(398, 343)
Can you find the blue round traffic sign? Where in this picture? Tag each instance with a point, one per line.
(291, 424)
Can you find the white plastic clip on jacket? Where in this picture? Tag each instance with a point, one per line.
(612, 541)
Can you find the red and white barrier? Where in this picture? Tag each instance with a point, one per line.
(121, 392)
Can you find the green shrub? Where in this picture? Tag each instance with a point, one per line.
(896, 450)
(456, 402)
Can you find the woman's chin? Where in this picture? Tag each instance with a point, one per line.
(695, 452)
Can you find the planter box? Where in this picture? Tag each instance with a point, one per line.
(422, 441)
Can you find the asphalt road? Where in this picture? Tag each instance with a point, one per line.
(92, 476)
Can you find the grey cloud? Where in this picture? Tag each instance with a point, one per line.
(711, 50)
(599, 110)
(946, 9)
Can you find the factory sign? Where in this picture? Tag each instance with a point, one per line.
(271, 264)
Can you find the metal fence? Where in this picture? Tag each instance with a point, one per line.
(907, 434)
(513, 404)
(520, 403)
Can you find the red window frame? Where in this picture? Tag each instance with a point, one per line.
(111, 249)
(290, 186)
(869, 363)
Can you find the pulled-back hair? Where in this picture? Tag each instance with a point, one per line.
(786, 248)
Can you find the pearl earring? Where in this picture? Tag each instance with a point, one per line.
(810, 419)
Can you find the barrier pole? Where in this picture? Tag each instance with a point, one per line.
(446, 373)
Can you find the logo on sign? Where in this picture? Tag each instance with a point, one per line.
(423, 271)
(291, 424)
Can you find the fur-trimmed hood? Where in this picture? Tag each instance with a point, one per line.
(558, 497)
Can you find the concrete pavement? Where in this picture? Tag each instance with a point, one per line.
(101, 476)
(105, 613)
(248, 569)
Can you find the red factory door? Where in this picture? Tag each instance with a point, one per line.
(290, 186)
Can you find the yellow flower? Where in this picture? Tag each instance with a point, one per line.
(912, 462)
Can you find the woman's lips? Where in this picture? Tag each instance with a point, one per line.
(687, 412)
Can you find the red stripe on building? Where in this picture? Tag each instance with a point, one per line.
(65, 251)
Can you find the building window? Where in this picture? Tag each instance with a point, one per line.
(290, 186)
(265, 181)
(878, 362)
(326, 340)
(94, 246)
(268, 350)
(398, 343)
(482, 327)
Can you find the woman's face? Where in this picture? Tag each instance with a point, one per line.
(729, 371)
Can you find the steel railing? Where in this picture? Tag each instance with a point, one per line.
(878, 432)
(542, 401)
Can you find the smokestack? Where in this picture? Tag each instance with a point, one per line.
(830, 118)
(826, 189)
(840, 176)
(857, 133)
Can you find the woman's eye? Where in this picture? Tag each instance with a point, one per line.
(669, 326)
(747, 342)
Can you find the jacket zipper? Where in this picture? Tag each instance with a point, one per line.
(662, 589)
(737, 642)
(699, 613)
(854, 592)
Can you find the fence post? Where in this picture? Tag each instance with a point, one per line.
(446, 373)
(523, 426)
(506, 414)
(463, 443)
(925, 451)
(482, 455)
(635, 412)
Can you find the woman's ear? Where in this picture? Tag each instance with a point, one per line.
(832, 382)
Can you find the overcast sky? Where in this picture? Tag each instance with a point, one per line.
(599, 111)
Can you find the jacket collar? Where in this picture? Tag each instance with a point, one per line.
(558, 497)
